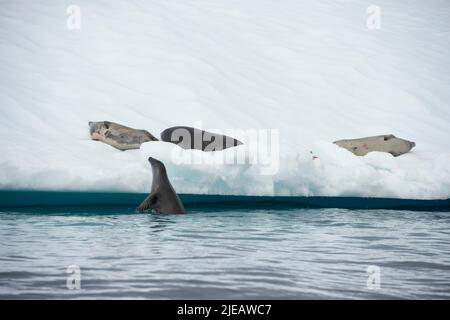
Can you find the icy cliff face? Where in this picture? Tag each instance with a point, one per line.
(312, 70)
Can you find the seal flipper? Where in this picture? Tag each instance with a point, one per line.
(148, 203)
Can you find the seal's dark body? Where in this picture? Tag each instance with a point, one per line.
(193, 138)
(162, 198)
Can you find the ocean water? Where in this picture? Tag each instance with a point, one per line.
(224, 253)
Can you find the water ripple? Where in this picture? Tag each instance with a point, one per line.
(293, 254)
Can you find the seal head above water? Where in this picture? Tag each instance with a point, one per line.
(162, 198)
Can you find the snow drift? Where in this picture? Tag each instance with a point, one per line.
(312, 70)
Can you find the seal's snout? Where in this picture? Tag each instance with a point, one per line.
(412, 144)
(92, 127)
(155, 162)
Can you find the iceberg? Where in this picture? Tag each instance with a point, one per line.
(307, 73)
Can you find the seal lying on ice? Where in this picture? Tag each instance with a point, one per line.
(119, 136)
(384, 143)
(162, 198)
(192, 138)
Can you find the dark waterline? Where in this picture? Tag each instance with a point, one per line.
(11, 198)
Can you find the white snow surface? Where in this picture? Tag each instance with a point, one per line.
(311, 69)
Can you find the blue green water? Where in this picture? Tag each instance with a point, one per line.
(13, 198)
(217, 252)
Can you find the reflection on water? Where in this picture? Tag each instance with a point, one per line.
(212, 253)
